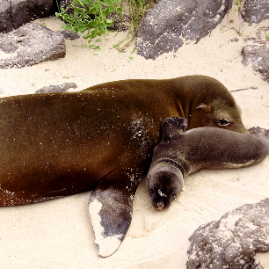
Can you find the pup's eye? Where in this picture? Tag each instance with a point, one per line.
(223, 122)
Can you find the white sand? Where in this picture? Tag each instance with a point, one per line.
(58, 234)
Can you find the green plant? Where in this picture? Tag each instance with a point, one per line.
(267, 37)
(91, 18)
(94, 17)
(136, 12)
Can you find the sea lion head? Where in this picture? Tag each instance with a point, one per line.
(209, 103)
(164, 183)
(165, 179)
(222, 112)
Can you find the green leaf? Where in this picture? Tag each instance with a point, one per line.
(108, 2)
(105, 12)
(108, 21)
(119, 10)
(93, 10)
(99, 40)
(79, 2)
(267, 37)
(87, 2)
(87, 35)
(81, 27)
(111, 9)
(68, 27)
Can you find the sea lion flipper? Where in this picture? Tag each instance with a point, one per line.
(173, 126)
(111, 214)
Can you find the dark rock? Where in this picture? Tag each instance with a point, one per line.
(259, 57)
(14, 13)
(5, 18)
(256, 11)
(235, 39)
(64, 4)
(32, 43)
(233, 241)
(29, 10)
(70, 35)
(57, 88)
(170, 22)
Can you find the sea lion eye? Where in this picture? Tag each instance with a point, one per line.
(223, 122)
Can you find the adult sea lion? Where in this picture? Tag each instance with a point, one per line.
(181, 153)
(99, 139)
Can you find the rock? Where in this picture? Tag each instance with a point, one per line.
(258, 56)
(5, 19)
(65, 5)
(57, 88)
(70, 35)
(233, 241)
(32, 44)
(171, 22)
(14, 13)
(29, 10)
(256, 11)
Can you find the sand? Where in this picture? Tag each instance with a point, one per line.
(58, 233)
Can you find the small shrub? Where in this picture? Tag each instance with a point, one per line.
(94, 17)
(91, 18)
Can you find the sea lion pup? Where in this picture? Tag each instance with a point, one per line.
(181, 153)
(100, 139)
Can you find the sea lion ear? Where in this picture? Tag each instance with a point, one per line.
(206, 108)
(172, 127)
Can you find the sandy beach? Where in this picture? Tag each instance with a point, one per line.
(58, 233)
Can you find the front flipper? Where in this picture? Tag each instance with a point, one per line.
(111, 214)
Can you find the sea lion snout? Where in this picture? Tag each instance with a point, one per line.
(164, 183)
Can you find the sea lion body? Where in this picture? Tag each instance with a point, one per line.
(181, 153)
(99, 139)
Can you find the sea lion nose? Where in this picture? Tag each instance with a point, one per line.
(160, 206)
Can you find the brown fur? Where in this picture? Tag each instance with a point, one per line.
(102, 138)
(180, 154)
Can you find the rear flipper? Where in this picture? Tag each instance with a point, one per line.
(111, 214)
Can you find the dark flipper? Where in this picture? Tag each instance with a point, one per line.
(111, 214)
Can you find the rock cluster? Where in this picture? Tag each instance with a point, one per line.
(31, 44)
(171, 22)
(256, 11)
(233, 241)
(57, 88)
(258, 57)
(15, 13)
(166, 27)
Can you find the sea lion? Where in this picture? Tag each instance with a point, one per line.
(181, 153)
(100, 139)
